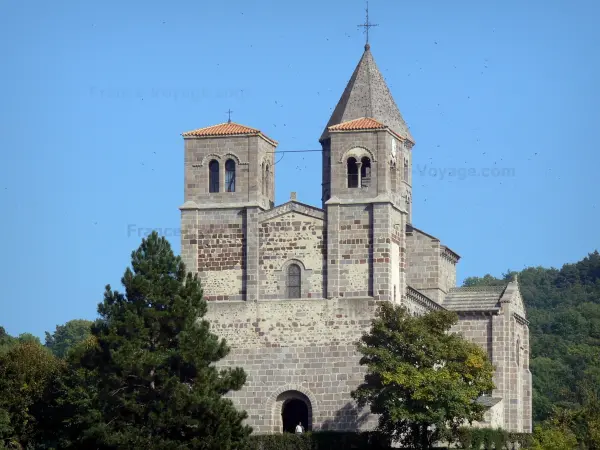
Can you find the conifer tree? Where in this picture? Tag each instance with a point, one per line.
(151, 359)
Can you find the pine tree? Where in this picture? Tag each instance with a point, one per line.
(151, 359)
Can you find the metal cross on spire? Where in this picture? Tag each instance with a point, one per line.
(367, 25)
(229, 111)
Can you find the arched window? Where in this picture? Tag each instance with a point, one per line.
(352, 173)
(213, 176)
(264, 176)
(365, 172)
(230, 175)
(406, 170)
(293, 282)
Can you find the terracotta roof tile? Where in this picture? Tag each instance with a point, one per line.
(364, 123)
(227, 129)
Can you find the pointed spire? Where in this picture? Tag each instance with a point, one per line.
(367, 95)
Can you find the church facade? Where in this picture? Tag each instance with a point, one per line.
(293, 287)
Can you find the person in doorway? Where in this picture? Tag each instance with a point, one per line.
(299, 428)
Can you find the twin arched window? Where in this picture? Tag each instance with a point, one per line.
(352, 173)
(365, 172)
(359, 174)
(213, 176)
(293, 281)
(230, 175)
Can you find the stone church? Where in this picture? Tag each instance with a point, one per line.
(293, 287)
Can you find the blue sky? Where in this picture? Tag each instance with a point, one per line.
(95, 96)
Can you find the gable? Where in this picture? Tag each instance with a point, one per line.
(518, 304)
(292, 206)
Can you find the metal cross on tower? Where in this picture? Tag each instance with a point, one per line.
(229, 111)
(367, 24)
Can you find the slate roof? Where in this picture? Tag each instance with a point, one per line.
(474, 298)
(227, 129)
(488, 401)
(367, 95)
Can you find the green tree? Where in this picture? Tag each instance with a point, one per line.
(553, 437)
(67, 335)
(26, 369)
(6, 341)
(146, 378)
(421, 379)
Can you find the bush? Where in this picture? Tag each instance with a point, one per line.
(491, 439)
(468, 438)
(320, 440)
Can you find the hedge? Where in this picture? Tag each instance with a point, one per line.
(469, 438)
(320, 440)
(491, 439)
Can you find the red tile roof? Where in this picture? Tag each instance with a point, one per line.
(227, 129)
(364, 123)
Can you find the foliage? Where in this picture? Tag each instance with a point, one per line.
(68, 335)
(25, 372)
(146, 378)
(490, 438)
(319, 440)
(421, 379)
(6, 341)
(555, 437)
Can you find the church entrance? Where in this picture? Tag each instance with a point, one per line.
(294, 411)
(289, 409)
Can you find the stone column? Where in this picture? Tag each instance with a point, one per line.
(527, 387)
(500, 360)
(382, 251)
(189, 239)
(333, 251)
(252, 247)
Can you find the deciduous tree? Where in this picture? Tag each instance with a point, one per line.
(68, 335)
(25, 372)
(421, 379)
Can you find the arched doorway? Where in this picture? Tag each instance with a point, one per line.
(294, 411)
(293, 407)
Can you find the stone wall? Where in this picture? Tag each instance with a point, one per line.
(492, 418)
(506, 340)
(199, 152)
(431, 267)
(219, 238)
(448, 261)
(349, 250)
(476, 328)
(358, 145)
(266, 158)
(297, 347)
(292, 237)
